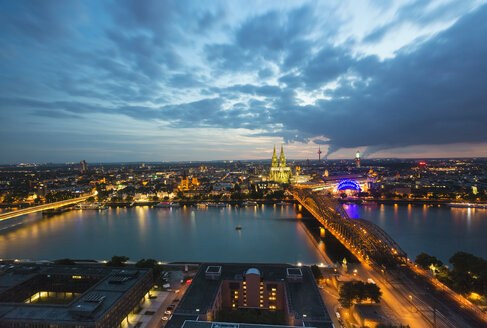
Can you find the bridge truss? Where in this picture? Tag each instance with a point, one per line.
(364, 239)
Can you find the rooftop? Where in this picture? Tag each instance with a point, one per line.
(99, 288)
(304, 297)
(208, 324)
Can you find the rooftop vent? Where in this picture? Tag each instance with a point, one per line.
(87, 307)
(213, 272)
(294, 274)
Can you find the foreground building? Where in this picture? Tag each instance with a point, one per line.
(279, 289)
(70, 296)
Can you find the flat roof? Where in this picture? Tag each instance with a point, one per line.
(214, 324)
(304, 296)
(98, 298)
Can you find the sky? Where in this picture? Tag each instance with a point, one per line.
(154, 80)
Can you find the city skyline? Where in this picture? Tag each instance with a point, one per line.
(188, 81)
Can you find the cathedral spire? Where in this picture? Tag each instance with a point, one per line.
(274, 158)
(282, 158)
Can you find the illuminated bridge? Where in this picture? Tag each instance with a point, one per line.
(362, 238)
(33, 209)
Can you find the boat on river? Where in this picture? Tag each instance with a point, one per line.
(283, 204)
(249, 204)
(167, 205)
(90, 206)
(366, 203)
(202, 205)
(217, 205)
(468, 205)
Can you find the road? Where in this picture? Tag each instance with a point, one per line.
(33, 209)
(418, 303)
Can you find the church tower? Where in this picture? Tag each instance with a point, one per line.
(279, 172)
(274, 158)
(282, 158)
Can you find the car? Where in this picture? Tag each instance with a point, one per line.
(164, 318)
(167, 312)
(176, 300)
(176, 291)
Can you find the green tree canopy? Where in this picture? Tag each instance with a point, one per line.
(425, 261)
(117, 261)
(358, 291)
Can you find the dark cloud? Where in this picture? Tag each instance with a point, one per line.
(435, 95)
(330, 63)
(133, 59)
(277, 37)
(41, 22)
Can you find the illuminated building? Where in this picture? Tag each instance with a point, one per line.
(279, 172)
(265, 287)
(348, 184)
(84, 166)
(357, 158)
(45, 296)
(184, 185)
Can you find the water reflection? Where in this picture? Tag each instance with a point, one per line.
(440, 231)
(174, 234)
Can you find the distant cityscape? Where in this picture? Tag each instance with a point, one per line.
(435, 180)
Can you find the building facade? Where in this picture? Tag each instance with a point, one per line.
(279, 172)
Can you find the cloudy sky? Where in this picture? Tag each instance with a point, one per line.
(202, 80)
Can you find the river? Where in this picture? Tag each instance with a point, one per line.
(437, 230)
(269, 233)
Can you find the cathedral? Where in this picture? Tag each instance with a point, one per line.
(279, 172)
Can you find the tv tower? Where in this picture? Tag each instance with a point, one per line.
(357, 158)
(319, 153)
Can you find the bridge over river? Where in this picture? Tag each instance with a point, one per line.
(364, 239)
(381, 254)
(34, 209)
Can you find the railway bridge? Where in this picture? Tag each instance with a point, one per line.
(49, 206)
(364, 239)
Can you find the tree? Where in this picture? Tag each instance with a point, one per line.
(469, 273)
(8, 198)
(372, 292)
(316, 272)
(236, 196)
(347, 294)
(425, 261)
(64, 262)
(358, 291)
(152, 264)
(117, 261)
